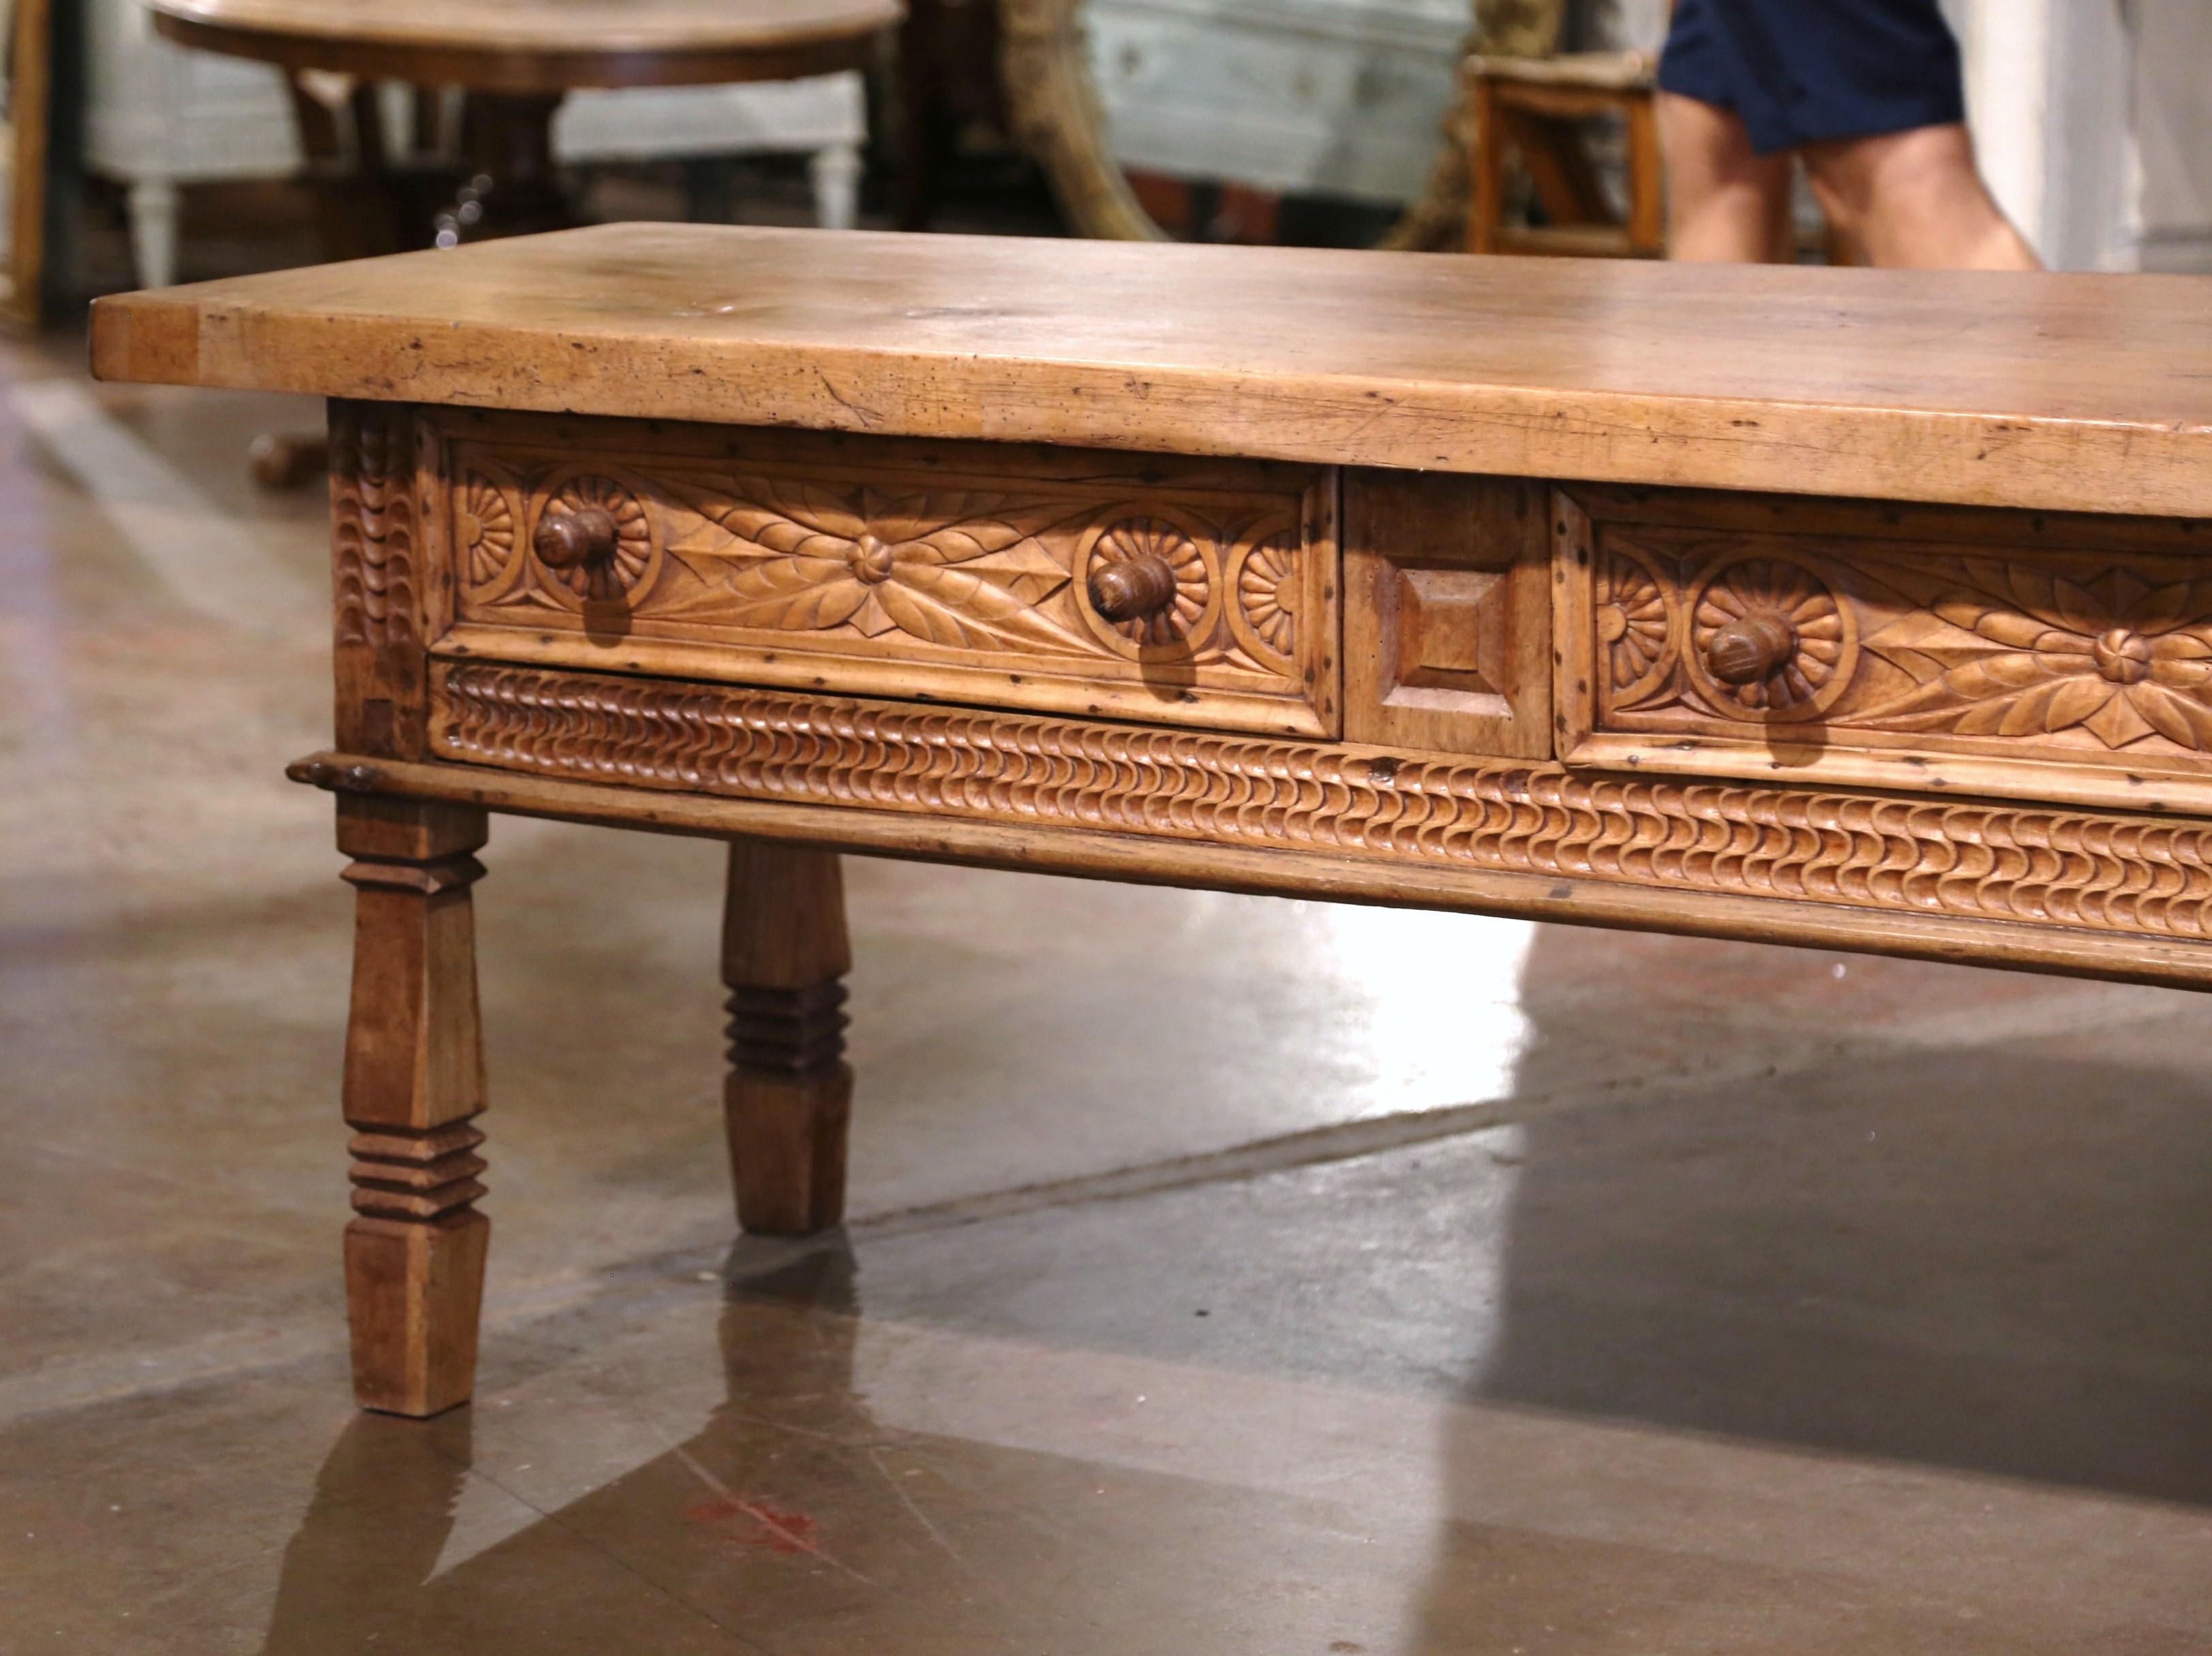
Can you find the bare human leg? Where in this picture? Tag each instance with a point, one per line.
(1725, 204)
(1916, 200)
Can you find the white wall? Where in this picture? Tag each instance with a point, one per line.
(2006, 45)
(2094, 120)
(2172, 126)
(2049, 92)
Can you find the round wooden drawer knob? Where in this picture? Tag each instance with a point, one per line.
(1751, 648)
(576, 538)
(1133, 589)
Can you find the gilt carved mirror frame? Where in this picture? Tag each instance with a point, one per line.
(28, 34)
(1058, 116)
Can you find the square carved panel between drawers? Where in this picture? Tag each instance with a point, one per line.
(1451, 633)
(1447, 622)
(954, 572)
(2014, 653)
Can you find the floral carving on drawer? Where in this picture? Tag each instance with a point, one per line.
(1839, 643)
(966, 571)
(911, 580)
(2125, 662)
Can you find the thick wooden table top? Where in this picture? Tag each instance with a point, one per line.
(2085, 392)
(535, 45)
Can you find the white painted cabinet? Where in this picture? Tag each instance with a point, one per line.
(158, 117)
(1331, 97)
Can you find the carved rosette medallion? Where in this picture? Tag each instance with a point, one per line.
(1265, 577)
(486, 519)
(1194, 610)
(1635, 633)
(1812, 672)
(626, 572)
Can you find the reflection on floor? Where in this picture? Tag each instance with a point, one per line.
(1415, 1285)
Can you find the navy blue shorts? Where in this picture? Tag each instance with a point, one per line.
(1804, 71)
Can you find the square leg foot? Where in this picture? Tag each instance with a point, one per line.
(414, 1292)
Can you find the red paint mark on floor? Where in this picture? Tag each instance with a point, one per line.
(755, 1524)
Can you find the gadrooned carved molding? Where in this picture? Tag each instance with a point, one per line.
(2101, 872)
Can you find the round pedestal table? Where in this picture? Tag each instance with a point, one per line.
(516, 60)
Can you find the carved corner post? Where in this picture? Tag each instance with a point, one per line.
(379, 570)
(789, 1093)
(414, 1086)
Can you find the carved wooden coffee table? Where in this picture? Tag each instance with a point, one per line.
(1868, 609)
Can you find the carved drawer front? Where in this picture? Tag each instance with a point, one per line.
(1197, 593)
(1999, 653)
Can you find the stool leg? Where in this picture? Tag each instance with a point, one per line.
(1647, 173)
(1487, 212)
(789, 1091)
(414, 1086)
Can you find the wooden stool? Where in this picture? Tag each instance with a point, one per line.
(1532, 108)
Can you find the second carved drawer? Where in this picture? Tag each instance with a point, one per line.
(2029, 654)
(1188, 592)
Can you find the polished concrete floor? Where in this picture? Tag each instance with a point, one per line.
(1410, 1284)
